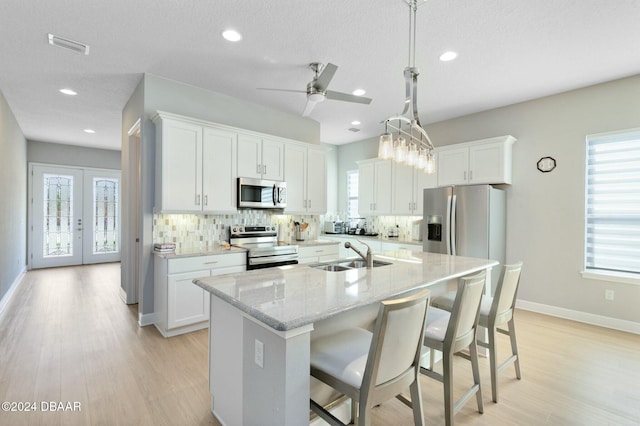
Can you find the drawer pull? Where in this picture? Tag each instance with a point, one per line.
(211, 263)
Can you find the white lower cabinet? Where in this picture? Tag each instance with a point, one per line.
(181, 306)
(317, 253)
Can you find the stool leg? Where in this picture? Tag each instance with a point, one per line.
(514, 346)
(447, 379)
(475, 367)
(493, 362)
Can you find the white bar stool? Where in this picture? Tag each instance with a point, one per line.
(496, 312)
(371, 368)
(449, 333)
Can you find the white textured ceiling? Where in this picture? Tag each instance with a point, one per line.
(509, 51)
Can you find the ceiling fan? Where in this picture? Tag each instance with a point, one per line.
(317, 88)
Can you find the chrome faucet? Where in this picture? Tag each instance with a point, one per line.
(367, 258)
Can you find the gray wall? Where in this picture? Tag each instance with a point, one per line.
(13, 193)
(160, 94)
(71, 155)
(545, 211)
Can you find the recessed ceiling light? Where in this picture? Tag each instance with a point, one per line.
(69, 92)
(358, 92)
(448, 56)
(89, 131)
(355, 123)
(232, 35)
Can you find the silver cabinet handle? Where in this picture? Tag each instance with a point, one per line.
(264, 169)
(470, 175)
(211, 263)
(309, 203)
(464, 177)
(198, 200)
(206, 200)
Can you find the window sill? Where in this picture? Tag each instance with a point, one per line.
(619, 277)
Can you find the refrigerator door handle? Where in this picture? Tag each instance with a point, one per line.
(447, 229)
(453, 225)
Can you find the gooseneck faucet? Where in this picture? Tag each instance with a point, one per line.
(367, 258)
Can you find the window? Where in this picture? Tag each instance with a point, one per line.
(612, 236)
(352, 194)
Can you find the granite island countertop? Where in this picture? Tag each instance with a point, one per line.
(292, 296)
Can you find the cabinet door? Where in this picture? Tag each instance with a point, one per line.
(187, 303)
(249, 156)
(453, 165)
(487, 164)
(181, 171)
(316, 181)
(272, 160)
(421, 181)
(295, 158)
(219, 171)
(383, 187)
(402, 189)
(366, 173)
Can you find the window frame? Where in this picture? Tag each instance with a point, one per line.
(349, 197)
(592, 272)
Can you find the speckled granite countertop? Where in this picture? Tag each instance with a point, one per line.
(292, 296)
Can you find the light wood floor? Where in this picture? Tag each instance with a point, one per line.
(67, 337)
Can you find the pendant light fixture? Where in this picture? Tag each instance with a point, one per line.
(412, 144)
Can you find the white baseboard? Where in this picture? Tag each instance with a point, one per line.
(123, 295)
(146, 319)
(593, 319)
(12, 289)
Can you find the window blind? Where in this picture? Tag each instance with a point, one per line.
(613, 202)
(352, 194)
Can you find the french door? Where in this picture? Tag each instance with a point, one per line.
(75, 216)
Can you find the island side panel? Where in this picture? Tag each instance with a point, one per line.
(278, 392)
(225, 362)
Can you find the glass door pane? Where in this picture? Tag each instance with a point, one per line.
(102, 215)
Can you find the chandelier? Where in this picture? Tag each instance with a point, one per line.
(412, 145)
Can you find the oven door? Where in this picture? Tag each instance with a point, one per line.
(261, 262)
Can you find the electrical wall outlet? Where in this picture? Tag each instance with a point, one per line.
(609, 295)
(259, 353)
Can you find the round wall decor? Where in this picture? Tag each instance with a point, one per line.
(546, 164)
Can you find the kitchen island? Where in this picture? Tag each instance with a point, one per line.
(262, 323)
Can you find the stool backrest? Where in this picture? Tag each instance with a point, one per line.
(466, 308)
(504, 299)
(397, 340)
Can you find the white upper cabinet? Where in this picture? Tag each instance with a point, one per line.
(194, 168)
(260, 158)
(306, 176)
(374, 187)
(486, 161)
(408, 186)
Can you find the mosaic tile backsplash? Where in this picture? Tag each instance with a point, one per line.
(192, 232)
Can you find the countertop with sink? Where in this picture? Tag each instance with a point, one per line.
(288, 297)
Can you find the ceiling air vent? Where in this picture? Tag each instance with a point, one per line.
(354, 130)
(54, 40)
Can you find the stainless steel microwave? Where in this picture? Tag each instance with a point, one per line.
(261, 194)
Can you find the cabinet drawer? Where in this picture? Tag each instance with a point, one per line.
(315, 251)
(195, 263)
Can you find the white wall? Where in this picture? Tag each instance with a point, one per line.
(72, 155)
(545, 224)
(13, 193)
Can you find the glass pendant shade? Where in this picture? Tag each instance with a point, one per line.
(385, 146)
(412, 154)
(400, 149)
(430, 164)
(421, 162)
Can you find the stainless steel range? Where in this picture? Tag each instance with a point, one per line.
(263, 248)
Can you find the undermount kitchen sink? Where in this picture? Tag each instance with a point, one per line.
(345, 265)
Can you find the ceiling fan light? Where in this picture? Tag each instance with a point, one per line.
(316, 97)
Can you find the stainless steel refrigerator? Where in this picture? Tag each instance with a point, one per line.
(466, 221)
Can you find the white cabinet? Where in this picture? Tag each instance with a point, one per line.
(374, 187)
(317, 253)
(408, 184)
(260, 157)
(305, 171)
(195, 167)
(181, 306)
(486, 161)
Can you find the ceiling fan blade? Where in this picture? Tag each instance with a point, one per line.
(325, 77)
(339, 96)
(308, 108)
(282, 90)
